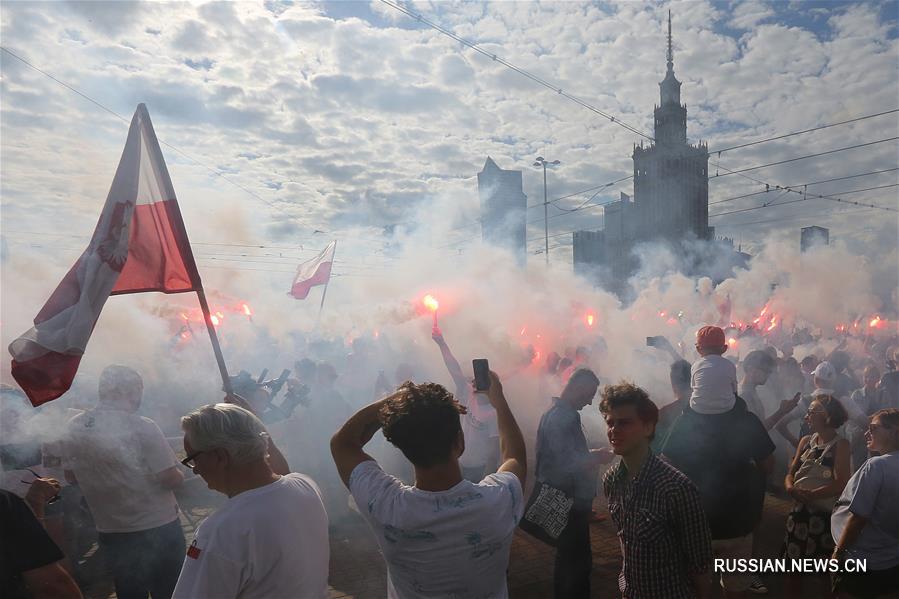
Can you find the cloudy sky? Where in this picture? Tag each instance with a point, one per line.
(282, 119)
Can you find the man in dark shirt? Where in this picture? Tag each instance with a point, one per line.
(665, 542)
(29, 559)
(565, 462)
(679, 375)
(727, 456)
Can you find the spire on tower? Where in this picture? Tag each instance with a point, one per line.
(670, 46)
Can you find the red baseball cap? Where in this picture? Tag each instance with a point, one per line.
(709, 336)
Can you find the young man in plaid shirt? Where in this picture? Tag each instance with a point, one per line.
(664, 534)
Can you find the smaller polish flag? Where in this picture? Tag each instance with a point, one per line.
(314, 272)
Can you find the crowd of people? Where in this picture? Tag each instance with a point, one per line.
(442, 478)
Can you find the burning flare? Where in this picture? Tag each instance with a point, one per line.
(430, 303)
(590, 320)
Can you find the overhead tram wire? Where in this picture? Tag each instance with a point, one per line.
(805, 198)
(418, 17)
(798, 217)
(773, 188)
(587, 201)
(583, 191)
(772, 204)
(211, 169)
(767, 184)
(810, 183)
(761, 141)
(519, 70)
(509, 65)
(552, 202)
(752, 168)
(347, 264)
(862, 208)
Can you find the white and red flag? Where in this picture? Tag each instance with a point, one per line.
(314, 272)
(140, 244)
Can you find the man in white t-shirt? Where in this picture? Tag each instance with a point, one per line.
(127, 471)
(270, 539)
(445, 536)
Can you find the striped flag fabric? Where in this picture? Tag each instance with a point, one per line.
(139, 245)
(313, 272)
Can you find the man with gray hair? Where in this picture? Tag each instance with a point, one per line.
(270, 538)
(127, 472)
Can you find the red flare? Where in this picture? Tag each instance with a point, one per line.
(590, 319)
(874, 322)
(246, 310)
(430, 302)
(215, 320)
(732, 342)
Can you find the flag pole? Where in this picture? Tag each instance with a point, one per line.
(213, 337)
(325, 291)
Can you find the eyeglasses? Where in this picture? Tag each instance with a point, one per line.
(188, 462)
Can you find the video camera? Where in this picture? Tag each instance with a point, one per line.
(245, 385)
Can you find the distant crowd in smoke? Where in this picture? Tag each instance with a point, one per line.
(782, 318)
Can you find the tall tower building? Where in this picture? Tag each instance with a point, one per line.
(671, 189)
(503, 209)
(671, 196)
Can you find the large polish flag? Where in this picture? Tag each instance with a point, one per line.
(140, 244)
(314, 272)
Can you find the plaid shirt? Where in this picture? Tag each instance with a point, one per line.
(662, 529)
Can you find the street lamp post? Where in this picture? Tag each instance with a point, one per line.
(541, 162)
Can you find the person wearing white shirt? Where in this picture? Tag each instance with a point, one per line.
(865, 521)
(824, 377)
(713, 378)
(445, 536)
(867, 398)
(127, 472)
(270, 538)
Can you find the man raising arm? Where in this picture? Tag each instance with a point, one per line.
(444, 536)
